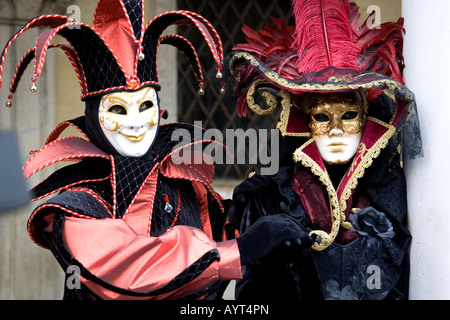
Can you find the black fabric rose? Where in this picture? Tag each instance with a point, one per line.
(333, 291)
(370, 222)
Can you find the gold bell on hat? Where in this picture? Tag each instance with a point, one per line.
(9, 103)
(201, 91)
(33, 87)
(219, 74)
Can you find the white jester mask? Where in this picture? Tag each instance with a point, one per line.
(129, 120)
(337, 126)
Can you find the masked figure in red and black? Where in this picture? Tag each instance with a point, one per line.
(346, 121)
(130, 218)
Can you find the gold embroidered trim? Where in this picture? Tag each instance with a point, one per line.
(365, 163)
(286, 105)
(389, 84)
(326, 239)
(270, 100)
(392, 87)
(284, 115)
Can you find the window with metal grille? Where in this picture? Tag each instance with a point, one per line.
(212, 109)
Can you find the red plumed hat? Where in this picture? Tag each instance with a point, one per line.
(119, 51)
(325, 51)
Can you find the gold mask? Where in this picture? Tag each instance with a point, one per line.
(336, 123)
(328, 115)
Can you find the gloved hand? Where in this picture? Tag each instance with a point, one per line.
(248, 187)
(242, 195)
(270, 232)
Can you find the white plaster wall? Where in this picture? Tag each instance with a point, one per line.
(427, 52)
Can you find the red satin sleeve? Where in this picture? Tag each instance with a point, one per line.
(111, 250)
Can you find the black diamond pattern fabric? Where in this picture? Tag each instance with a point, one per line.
(130, 174)
(167, 139)
(82, 203)
(88, 169)
(134, 10)
(99, 65)
(164, 212)
(147, 69)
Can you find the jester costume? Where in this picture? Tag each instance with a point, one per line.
(136, 216)
(356, 211)
(117, 219)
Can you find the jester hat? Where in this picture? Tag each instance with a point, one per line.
(117, 53)
(326, 51)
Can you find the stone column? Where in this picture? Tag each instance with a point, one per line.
(427, 52)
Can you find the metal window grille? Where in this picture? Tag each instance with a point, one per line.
(215, 111)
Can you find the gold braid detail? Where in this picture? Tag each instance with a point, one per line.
(286, 105)
(332, 85)
(365, 163)
(270, 100)
(326, 239)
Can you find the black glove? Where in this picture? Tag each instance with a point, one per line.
(242, 196)
(249, 187)
(270, 232)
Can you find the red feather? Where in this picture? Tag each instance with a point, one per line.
(324, 36)
(382, 49)
(327, 33)
(269, 41)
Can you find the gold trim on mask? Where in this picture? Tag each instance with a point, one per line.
(140, 101)
(120, 99)
(154, 111)
(134, 138)
(113, 100)
(335, 112)
(105, 115)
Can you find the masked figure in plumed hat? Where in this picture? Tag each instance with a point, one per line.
(126, 218)
(346, 121)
